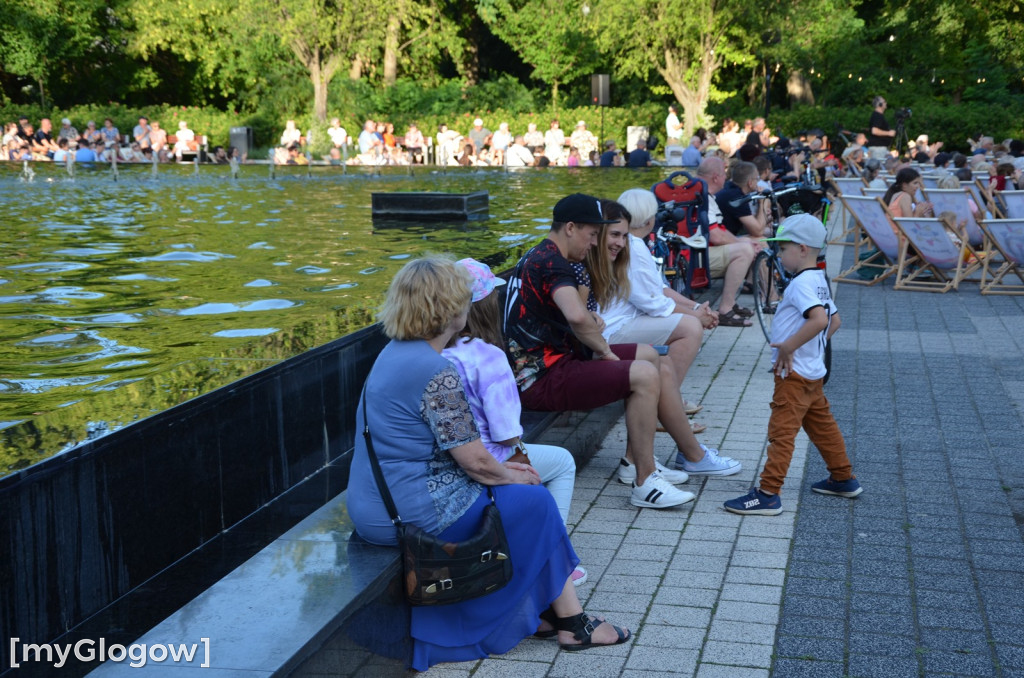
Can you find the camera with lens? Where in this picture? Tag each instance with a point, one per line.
(903, 113)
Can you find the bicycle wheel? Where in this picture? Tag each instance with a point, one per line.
(767, 290)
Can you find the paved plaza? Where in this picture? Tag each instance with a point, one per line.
(922, 575)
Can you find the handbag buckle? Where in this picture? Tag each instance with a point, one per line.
(440, 585)
(486, 555)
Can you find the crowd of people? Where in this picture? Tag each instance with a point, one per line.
(148, 142)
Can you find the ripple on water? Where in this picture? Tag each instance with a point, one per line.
(312, 270)
(143, 276)
(89, 251)
(186, 257)
(50, 267)
(251, 332)
(332, 288)
(371, 270)
(399, 257)
(261, 245)
(259, 282)
(252, 306)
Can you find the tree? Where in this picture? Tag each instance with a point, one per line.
(549, 36)
(685, 42)
(39, 36)
(231, 38)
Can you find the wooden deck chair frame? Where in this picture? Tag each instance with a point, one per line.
(873, 232)
(929, 259)
(1013, 201)
(844, 214)
(1003, 256)
(955, 200)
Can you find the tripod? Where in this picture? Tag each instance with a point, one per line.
(901, 134)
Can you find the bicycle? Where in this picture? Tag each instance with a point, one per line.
(769, 276)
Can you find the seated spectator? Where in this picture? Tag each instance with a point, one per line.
(436, 469)
(554, 143)
(61, 154)
(502, 139)
(583, 139)
(334, 156)
(44, 138)
(479, 136)
(574, 157)
(141, 132)
(10, 132)
(729, 256)
(157, 137)
(1001, 178)
(534, 138)
(692, 155)
(220, 156)
(291, 134)
(109, 134)
(391, 147)
(467, 158)
(295, 155)
(478, 354)
(542, 161)
(91, 134)
(610, 155)
(640, 156)
(901, 195)
(130, 153)
(415, 143)
(592, 160)
(337, 133)
(872, 171)
(561, 360)
(749, 219)
(621, 271)
(518, 154)
(853, 159)
(66, 131)
(448, 146)
(368, 141)
(86, 152)
(186, 140)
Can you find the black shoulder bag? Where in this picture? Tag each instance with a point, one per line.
(437, 572)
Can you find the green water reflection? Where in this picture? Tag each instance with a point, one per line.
(122, 298)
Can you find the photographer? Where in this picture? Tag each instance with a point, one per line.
(881, 136)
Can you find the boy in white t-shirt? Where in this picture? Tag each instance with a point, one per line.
(804, 321)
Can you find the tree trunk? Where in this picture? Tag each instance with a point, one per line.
(355, 71)
(799, 89)
(391, 36)
(693, 99)
(316, 74)
(554, 96)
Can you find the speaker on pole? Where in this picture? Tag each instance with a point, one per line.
(600, 89)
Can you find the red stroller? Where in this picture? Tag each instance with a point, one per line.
(680, 234)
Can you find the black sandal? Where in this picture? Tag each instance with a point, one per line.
(742, 312)
(549, 616)
(733, 319)
(582, 627)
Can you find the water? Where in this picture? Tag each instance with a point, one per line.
(122, 298)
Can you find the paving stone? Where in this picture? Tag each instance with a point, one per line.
(737, 654)
(882, 644)
(761, 634)
(868, 666)
(797, 668)
(810, 649)
(671, 636)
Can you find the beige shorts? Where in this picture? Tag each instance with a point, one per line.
(718, 259)
(646, 329)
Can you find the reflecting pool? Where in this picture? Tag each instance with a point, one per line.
(121, 298)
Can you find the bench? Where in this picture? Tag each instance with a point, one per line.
(317, 600)
(200, 140)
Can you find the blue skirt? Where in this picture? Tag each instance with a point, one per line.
(542, 560)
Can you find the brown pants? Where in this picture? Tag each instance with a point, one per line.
(796, 403)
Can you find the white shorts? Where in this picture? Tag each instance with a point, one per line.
(646, 329)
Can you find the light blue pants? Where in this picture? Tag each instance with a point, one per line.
(557, 470)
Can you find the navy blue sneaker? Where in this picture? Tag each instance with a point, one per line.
(755, 503)
(846, 488)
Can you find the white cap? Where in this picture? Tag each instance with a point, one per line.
(581, 124)
(922, 139)
(65, 121)
(478, 122)
(803, 229)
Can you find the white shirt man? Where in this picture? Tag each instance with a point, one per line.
(519, 155)
(673, 128)
(337, 133)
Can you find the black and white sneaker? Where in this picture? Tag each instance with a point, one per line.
(656, 492)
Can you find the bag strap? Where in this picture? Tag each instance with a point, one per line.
(378, 474)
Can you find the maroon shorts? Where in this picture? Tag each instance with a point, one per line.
(576, 384)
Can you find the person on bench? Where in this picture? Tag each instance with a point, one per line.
(435, 467)
(625, 279)
(562, 362)
(478, 353)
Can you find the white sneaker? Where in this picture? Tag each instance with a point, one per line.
(627, 473)
(656, 492)
(711, 465)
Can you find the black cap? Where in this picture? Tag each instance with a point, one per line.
(580, 208)
(942, 158)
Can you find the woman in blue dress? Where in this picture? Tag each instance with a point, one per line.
(435, 467)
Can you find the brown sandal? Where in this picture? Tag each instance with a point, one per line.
(742, 312)
(733, 319)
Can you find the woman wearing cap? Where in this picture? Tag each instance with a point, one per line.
(435, 466)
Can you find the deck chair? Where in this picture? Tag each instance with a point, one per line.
(846, 186)
(1013, 204)
(683, 209)
(1003, 255)
(929, 259)
(957, 201)
(877, 249)
(930, 181)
